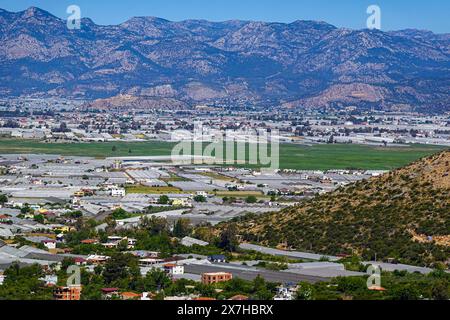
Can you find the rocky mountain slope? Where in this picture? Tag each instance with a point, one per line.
(403, 215)
(304, 63)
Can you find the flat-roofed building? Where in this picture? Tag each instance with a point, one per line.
(67, 293)
(215, 277)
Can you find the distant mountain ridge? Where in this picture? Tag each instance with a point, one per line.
(304, 63)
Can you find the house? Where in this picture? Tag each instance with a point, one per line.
(377, 288)
(202, 193)
(60, 237)
(109, 293)
(62, 229)
(67, 293)
(216, 277)
(145, 254)
(181, 202)
(148, 262)
(130, 296)
(286, 292)
(147, 296)
(78, 194)
(238, 297)
(217, 258)
(113, 242)
(49, 244)
(118, 192)
(131, 243)
(96, 259)
(50, 280)
(89, 241)
(80, 261)
(110, 245)
(173, 269)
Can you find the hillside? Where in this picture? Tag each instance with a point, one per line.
(237, 63)
(404, 214)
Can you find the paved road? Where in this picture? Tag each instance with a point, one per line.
(291, 254)
(270, 276)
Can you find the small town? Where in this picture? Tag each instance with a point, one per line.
(142, 227)
(76, 121)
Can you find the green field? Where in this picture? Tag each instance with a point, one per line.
(316, 157)
(138, 189)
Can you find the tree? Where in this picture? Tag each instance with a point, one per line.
(114, 148)
(122, 245)
(3, 199)
(405, 292)
(119, 213)
(24, 284)
(39, 218)
(305, 291)
(228, 238)
(199, 198)
(440, 291)
(156, 280)
(251, 199)
(75, 214)
(260, 289)
(26, 209)
(117, 267)
(154, 225)
(182, 228)
(163, 199)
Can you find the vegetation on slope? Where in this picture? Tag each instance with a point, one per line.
(404, 215)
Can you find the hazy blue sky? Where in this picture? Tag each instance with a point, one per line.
(396, 14)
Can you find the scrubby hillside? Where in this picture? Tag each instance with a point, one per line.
(404, 214)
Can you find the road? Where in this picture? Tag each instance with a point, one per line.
(290, 254)
(268, 275)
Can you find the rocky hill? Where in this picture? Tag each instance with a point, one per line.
(304, 63)
(404, 215)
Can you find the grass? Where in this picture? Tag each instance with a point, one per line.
(239, 194)
(151, 190)
(174, 178)
(216, 176)
(338, 156)
(316, 157)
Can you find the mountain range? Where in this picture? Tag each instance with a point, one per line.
(403, 215)
(235, 63)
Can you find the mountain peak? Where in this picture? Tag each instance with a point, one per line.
(35, 12)
(303, 63)
(313, 23)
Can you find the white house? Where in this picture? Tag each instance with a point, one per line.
(118, 192)
(173, 269)
(148, 262)
(49, 244)
(202, 193)
(131, 242)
